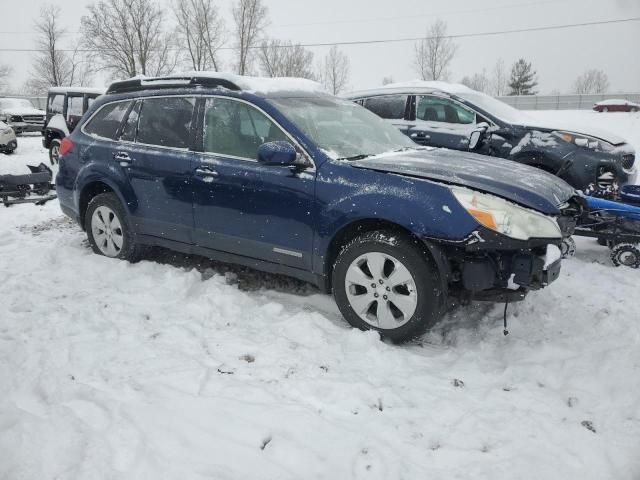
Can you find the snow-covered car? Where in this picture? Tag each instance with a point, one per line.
(616, 105)
(65, 107)
(278, 175)
(8, 141)
(440, 114)
(21, 115)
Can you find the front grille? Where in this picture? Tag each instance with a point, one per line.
(34, 119)
(628, 161)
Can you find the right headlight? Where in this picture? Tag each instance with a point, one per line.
(505, 217)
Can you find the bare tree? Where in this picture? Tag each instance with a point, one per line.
(128, 37)
(200, 32)
(5, 71)
(434, 53)
(499, 79)
(250, 18)
(591, 81)
(478, 82)
(53, 66)
(334, 71)
(283, 59)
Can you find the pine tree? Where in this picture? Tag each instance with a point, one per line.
(523, 78)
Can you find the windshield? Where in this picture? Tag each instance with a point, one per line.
(342, 129)
(495, 107)
(15, 104)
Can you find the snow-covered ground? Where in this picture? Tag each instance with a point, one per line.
(178, 367)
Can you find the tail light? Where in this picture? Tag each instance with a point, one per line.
(65, 146)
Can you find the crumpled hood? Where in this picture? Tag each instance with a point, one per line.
(527, 186)
(591, 131)
(23, 111)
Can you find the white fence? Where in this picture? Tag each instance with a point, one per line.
(564, 102)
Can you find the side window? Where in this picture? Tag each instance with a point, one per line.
(443, 110)
(106, 122)
(74, 106)
(236, 129)
(166, 121)
(131, 125)
(387, 106)
(55, 104)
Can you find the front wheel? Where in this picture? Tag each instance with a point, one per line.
(388, 282)
(54, 151)
(109, 230)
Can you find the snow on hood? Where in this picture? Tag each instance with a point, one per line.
(22, 111)
(575, 128)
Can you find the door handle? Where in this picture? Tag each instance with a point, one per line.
(207, 174)
(123, 158)
(421, 136)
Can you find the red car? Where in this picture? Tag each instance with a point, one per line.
(616, 106)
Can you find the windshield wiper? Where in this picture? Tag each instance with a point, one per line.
(356, 157)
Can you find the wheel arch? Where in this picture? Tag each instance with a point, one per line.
(90, 191)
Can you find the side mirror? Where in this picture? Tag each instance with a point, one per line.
(277, 153)
(474, 140)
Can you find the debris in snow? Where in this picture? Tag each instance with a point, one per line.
(572, 402)
(265, 442)
(225, 372)
(457, 383)
(588, 424)
(324, 368)
(248, 358)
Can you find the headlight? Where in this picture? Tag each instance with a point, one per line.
(505, 217)
(585, 141)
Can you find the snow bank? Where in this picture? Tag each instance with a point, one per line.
(177, 367)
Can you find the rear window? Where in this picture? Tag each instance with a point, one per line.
(166, 121)
(106, 122)
(387, 106)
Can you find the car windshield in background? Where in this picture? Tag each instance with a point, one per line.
(15, 103)
(495, 107)
(342, 129)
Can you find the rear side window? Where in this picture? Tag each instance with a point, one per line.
(106, 122)
(55, 104)
(75, 106)
(443, 110)
(166, 121)
(388, 106)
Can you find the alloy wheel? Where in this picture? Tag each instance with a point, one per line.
(107, 231)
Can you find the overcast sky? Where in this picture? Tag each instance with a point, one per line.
(558, 56)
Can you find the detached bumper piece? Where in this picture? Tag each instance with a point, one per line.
(35, 187)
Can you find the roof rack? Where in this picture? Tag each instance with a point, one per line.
(137, 84)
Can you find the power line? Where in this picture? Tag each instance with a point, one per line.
(389, 40)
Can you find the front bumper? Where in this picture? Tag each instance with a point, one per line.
(22, 127)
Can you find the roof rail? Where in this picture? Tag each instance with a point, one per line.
(137, 84)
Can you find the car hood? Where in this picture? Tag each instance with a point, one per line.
(595, 132)
(527, 186)
(23, 111)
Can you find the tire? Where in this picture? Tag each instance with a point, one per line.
(419, 296)
(54, 149)
(626, 254)
(118, 239)
(568, 247)
(634, 110)
(605, 110)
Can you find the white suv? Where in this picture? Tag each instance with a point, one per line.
(21, 115)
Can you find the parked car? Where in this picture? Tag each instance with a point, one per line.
(8, 141)
(281, 177)
(440, 114)
(21, 115)
(616, 105)
(65, 107)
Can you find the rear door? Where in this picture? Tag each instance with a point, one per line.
(442, 122)
(154, 152)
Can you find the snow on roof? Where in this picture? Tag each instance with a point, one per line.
(98, 90)
(263, 85)
(413, 86)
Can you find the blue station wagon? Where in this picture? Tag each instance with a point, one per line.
(277, 175)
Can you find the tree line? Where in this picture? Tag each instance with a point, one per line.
(126, 38)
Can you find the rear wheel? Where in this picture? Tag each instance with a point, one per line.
(109, 230)
(54, 151)
(387, 282)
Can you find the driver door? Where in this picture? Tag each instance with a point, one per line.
(442, 122)
(241, 206)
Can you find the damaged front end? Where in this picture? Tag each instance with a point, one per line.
(34, 187)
